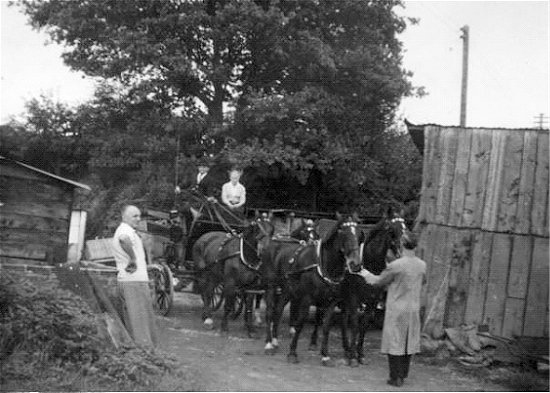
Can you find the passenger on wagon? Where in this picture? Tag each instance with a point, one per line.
(233, 192)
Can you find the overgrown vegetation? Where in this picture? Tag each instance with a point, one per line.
(50, 340)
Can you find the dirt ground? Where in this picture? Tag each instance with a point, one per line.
(234, 362)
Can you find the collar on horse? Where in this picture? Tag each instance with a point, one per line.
(317, 265)
(230, 236)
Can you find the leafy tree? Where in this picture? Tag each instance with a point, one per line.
(312, 85)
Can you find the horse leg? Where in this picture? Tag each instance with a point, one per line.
(229, 293)
(293, 316)
(344, 329)
(363, 323)
(248, 306)
(303, 311)
(354, 314)
(207, 293)
(269, 310)
(280, 303)
(326, 321)
(319, 313)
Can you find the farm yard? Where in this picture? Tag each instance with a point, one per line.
(197, 359)
(245, 176)
(236, 363)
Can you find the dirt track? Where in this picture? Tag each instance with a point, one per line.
(234, 362)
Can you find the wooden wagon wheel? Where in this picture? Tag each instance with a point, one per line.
(161, 283)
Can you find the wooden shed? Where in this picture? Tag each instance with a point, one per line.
(36, 212)
(484, 228)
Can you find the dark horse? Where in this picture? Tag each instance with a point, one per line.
(360, 301)
(305, 275)
(231, 259)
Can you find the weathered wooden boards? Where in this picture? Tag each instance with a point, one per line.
(489, 179)
(34, 215)
(484, 221)
(485, 278)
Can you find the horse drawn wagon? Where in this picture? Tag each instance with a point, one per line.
(169, 237)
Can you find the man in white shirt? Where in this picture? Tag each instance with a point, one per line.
(133, 281)
(233, 192)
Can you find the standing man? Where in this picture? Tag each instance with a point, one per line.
(404, 278)
(133, 281)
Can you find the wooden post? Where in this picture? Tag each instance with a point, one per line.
(464, 91)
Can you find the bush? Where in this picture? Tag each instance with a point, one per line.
(50, 340)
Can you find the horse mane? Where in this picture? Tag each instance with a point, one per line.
(327, 229)
(374, 232)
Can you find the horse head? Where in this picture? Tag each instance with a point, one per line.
(384, 237)
(348, 236)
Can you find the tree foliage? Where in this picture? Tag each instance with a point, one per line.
(302, 93)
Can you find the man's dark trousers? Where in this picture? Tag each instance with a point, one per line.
(399, 366)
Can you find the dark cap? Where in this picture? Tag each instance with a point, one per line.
(204, 161)
(409, 240)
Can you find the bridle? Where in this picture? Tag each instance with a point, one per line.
(352, 225)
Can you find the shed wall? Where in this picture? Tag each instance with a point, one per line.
(484, 229)
(34, 216)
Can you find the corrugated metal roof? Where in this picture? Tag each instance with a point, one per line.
(62, 179)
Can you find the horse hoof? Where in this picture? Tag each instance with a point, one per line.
(269, 349)
(361, 360)
(326, 361)
(292, 359)
(275, 343)
(292, 331)
(208, 324)
(312, 347)
(353, 363)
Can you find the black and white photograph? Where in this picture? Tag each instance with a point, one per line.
(274, 195)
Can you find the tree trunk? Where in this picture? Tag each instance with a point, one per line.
(315, 183)
(215, 109)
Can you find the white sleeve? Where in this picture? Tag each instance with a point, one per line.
(225, 197)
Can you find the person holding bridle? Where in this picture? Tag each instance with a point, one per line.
(404, 278)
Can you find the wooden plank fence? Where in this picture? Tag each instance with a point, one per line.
(483, 220)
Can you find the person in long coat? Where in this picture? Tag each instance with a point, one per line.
(404, 278)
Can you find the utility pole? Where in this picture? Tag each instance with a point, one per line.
(541, 120)
(464, 91)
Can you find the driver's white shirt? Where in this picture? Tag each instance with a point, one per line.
(122, 259)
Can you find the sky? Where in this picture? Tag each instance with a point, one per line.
(508, 78)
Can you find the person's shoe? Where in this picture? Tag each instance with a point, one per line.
(395, 382)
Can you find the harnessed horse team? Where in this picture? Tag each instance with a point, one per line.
(302, 270)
